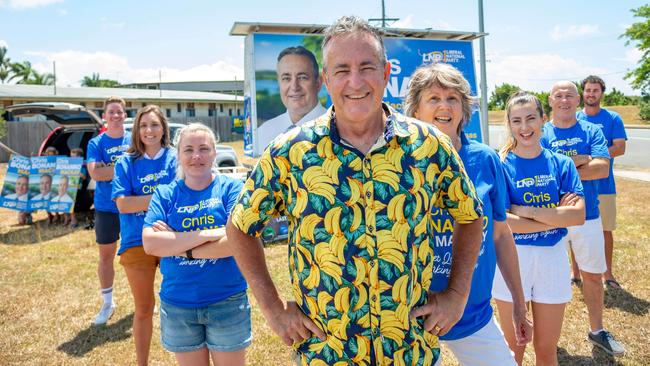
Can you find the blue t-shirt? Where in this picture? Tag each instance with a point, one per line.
(199, 282)
(140, 177)
(540, 182)
(611, 125)
(583, 138)
(484, 169)
(107, 150)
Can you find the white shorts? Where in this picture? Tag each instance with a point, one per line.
(486, 347)
(588, 246)
(545, 275)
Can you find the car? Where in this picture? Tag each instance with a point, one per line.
(77, 125)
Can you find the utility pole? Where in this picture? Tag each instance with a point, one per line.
(484, 99)
(383, 18)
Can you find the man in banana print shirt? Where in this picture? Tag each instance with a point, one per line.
(358, 185)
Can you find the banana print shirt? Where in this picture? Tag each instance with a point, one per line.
(360, 256)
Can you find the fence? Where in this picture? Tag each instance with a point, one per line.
(26, 137)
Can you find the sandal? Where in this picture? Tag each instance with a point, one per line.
(613, 284)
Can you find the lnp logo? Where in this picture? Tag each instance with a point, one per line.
(526, 182)
(432, 57)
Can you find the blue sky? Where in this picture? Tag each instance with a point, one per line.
(529, 45)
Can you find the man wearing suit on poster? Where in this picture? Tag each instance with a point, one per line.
(299, 82)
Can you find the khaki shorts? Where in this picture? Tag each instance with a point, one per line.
(136, 257)
(608, 211)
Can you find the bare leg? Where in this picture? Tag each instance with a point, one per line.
(592, 290)
(609, 254)
(195, 358)
(237, 358)
(105, 270)
(505, 319)
(547, 320)
(141, 281)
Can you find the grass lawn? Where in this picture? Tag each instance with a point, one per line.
(49, 296)
(629, 114)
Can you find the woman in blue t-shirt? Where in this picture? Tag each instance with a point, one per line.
(439, 94)
(544, 197)
(204, 310)
(148, 162)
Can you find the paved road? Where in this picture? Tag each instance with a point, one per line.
(637, 152)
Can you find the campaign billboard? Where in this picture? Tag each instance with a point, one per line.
(274, 105)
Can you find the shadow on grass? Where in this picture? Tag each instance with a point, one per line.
(621, 299)
(38, 232)
(95, 336)
(598, 357)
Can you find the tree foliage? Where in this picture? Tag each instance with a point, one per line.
(644, 111)
(96, 81)
(500, 96)
(5, 65)
(639, 35)
(616, 97)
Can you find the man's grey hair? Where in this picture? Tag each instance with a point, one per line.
(351, 24)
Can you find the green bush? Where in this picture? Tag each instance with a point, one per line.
(644, 111)
(3, 124)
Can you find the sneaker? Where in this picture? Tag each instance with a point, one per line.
(104, 314)
(606, 341)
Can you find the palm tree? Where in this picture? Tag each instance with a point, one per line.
(21, 71)
(5, 64)
(96, 81)
(91, 81)
(40, 79)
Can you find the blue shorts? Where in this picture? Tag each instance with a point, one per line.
(224, 326)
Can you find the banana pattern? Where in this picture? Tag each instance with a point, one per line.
(359, 254)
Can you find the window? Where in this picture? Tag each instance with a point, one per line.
(230, 111)
(212, 112)
(168, 112)
(221, 108)
(190, 112)
(238, 112)
(99, 105)
(83, 104)
(131, 113)
(128, 104)
(179, 109)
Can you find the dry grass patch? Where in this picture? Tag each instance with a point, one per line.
(49, 293)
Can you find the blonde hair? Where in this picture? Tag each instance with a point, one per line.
(137, 147)
(518, 98)
(445, 76)
(193, 127)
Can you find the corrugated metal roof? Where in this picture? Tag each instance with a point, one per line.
(244, 28)
(46, 92)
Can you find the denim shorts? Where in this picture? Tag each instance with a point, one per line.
(224, 326)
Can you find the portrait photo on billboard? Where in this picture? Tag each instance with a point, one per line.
(288, 86)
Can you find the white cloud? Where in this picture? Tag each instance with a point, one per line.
(632, 56)
(404, 22)
(72, 66)
(560, 33)
(27, 4)
(62, 12)
(536, 72)
(4, 43)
